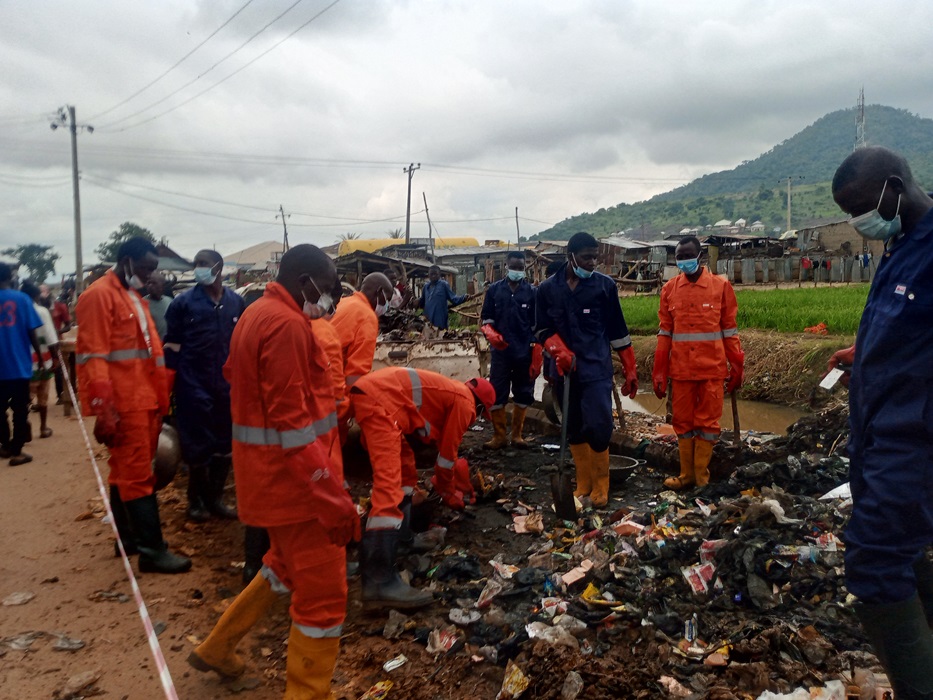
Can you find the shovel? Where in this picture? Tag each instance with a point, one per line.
(561, 486)
(737, 432)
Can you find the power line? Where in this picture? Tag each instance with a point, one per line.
(174, 65)
(223, 80)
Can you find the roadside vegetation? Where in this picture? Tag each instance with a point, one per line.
(782, 310)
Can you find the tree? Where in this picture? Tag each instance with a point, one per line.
(38, 258)
(107, 251)
(395, 234)
(350, 236)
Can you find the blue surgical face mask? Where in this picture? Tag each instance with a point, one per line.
(203, 275)
(689, 266)
(875, 227)
(516, 275)
(579, 271)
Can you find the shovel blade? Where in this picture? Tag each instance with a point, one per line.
(562, 491)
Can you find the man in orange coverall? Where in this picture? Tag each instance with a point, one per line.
(357, 324)
(698, 334)
(388, 405)
(122, 381)
(283, 423)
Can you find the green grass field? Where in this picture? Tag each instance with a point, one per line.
(784, 310)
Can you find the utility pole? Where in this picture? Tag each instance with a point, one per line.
(430, 233)
(411, 173)
(61, 120)
(789, 178)
(518, 234)
(282, 215)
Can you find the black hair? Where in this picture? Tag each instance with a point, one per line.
(303, 259)
(871, 164)
(30, 289)
(691, 239)
(434, 267)
(581, 241)
(6, 272)
(213, 255)
(136, 248)
(515, 254)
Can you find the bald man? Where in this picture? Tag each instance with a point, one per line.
(199, 324)
(284, 419)
(891, 426)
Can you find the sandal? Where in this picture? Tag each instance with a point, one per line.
(45, 433)
(21, 458)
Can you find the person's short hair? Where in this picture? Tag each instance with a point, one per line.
(213, 255)
(515, 254)
(691, 239)
(30, 290)
(552, 268)
(6, 272)
(580, 241)
(871, 164)
(136, 248)
(434, 268)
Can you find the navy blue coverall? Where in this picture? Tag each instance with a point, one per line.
(434, 299)
(201, 330)
(513, 315)
(590, 321)
(891, 424)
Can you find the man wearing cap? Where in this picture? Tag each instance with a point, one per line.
(436, 298)
(390, 405)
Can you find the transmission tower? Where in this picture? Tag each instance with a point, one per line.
(860, 120)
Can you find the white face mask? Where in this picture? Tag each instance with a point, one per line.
(324, 305)
(381, 308)
(133, 279)
(204, 275)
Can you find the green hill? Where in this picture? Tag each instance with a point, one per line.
(751, 191)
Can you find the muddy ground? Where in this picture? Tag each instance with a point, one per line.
(796, 632)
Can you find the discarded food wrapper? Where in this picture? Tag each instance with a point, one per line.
(493, 588)
(553, 606)
(504, 570)
(572, 687)
(513, 684)
(834, 690)
(627, 528)
(842, 491)
(708, 549)
(395, 625)
(673, 687)
(395, 663)
(556, 636)
(463, 617)
(571, 624)
(691, 627)
(592, 596)
(380, 691)
(699, 576)
(533, 523)
(441, 640)
(477, 428)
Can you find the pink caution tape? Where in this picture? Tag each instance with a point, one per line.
(165, 677)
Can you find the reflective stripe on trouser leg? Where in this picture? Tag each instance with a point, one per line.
(385, 444)
(589, 417)
(303, 561)
(132, 452)
(697, 408)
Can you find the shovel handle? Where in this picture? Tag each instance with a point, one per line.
(564, 408)
(737, 432)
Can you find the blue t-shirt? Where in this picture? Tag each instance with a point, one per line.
(17, 318)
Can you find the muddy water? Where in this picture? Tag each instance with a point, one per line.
(753, 415)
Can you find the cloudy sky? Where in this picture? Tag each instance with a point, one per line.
(210, 114)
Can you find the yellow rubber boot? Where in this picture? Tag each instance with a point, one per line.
(702, 453)
(599, 471)
(687, 477)
(581, 460)
(218, 651)
(498, 425)
(518, 422)
(309, 666)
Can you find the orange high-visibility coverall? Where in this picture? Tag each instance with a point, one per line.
(282, 405)
(394, 402)
(697, 324)
(326, 336)
(358, 327)
(119, 363)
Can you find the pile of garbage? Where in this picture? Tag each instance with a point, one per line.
(401, 324)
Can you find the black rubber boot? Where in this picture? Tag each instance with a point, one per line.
(382, 586)
(218, 469)
(904, 643)
(255, 546)
(923, 570)
(198, 489)
(122, 522)
(154, 556)
(405, 536)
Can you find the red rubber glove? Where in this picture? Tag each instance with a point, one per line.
(736, 371)
(494, 337)
(662, 366)
(563, 356)
(462, 482)
(102, 406)
(451, 497)
(336, 511)
(842, 357)
(537, 361)
(630, 371)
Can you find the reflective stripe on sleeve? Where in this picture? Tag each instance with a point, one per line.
(664, 332)
(488, 321)
(416, 389)
(160, 361)
(286, 439)
(729, 332)
(620, 343)
(425, 431)
(275, 583)
(114, 356)
(174, 347)
(444, 463)
(383, 522)
(696, 337)
(320, 632)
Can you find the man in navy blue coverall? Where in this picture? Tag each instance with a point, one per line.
(579, 321)
(435, 297)
(891, 419)
(508, 320)
(199, 324)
